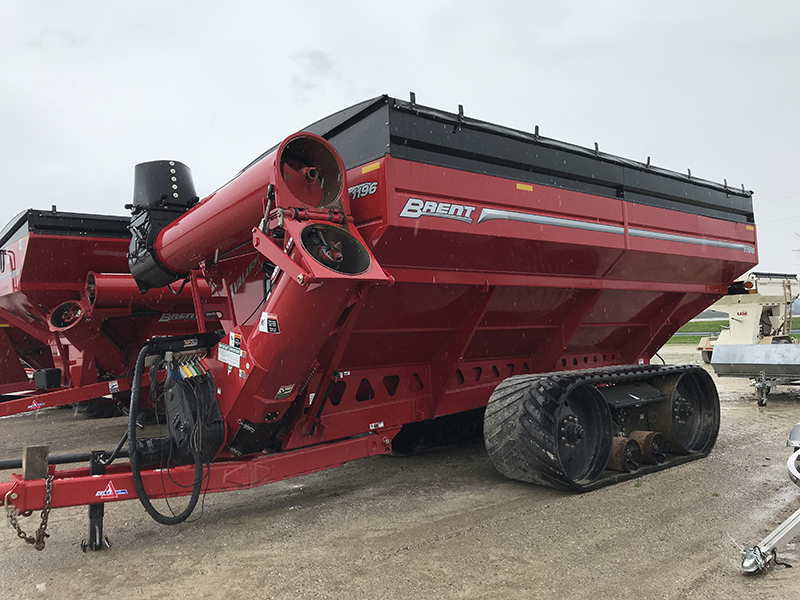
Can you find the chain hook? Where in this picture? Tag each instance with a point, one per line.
(38, 538)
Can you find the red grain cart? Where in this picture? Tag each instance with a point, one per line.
(70, 312)
(398, 276)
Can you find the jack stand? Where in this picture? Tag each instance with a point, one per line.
(96, 511)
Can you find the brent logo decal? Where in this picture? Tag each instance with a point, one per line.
(416, 208)
(166, 317)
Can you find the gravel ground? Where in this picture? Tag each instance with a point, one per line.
(438, 525)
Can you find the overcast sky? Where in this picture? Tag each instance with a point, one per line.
(89, 89)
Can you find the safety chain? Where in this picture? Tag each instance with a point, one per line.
(38, 538)
(777, 562)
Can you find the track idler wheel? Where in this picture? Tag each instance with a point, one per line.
(689, 418)
(540, 432)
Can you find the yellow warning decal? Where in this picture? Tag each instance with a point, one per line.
(750, 228)
(525, 186)
(370, 167)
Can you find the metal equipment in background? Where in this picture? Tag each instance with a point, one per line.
(765, 555)
(759, 309)
(394, 277)
(758, 343)
(72, 318)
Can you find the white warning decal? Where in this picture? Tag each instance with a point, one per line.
(269, 323)
(229, 355)
(235, 340)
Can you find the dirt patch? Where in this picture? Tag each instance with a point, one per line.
(437, 525)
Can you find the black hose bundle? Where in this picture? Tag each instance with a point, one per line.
(133, 452)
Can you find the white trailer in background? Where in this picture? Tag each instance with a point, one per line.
(758, 342)
(759, 308)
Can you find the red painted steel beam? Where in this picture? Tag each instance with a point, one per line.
(660, 337)
(37, 330)
(305, 423)
(658, 327)
(16, 387)
(61, 397)
(76, 487)
(451, 354)
(557, 342)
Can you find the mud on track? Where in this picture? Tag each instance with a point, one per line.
(438, 525)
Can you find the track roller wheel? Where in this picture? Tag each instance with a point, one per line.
(653, 445)
(540, 432)
(626, 455)
(689, 418)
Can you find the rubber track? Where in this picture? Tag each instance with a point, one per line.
(519, 427)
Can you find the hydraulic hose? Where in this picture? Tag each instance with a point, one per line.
(134, 455)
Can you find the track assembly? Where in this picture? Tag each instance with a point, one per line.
(559, 429)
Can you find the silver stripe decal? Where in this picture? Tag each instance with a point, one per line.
(491, 214)
(671, 237)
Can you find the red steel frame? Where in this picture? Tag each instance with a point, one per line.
(73, 488)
